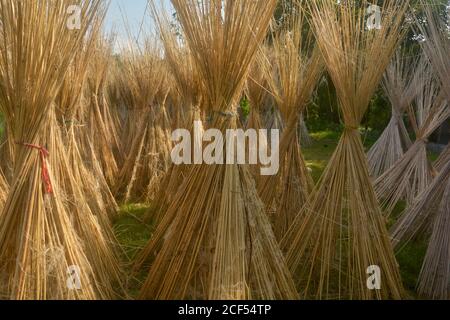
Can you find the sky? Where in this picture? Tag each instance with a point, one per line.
(134, 11)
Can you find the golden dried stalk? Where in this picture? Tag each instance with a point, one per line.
(38, 239)
(334, 241)
(297, 70)
(102, 131)
(400, 85)
(77, 187)
(72, 111)
(221, 246)
(257, 90)
(188, 86)
(7, 153)
(147, 138)
(4, 188)
(87, 195)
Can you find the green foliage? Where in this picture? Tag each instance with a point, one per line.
(245, 107)
(318, 154)
(379, 113)
(324, 114)
(410, 260)
(323, 111)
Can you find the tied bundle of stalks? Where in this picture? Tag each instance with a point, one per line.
(400, 85)
(177, 111)
(77, 190)
(126, 102)
(257, 89)
(162, 140)
(430, 215)
(437, 49)
(222, 245)
(258, 94)
(72, 110)
(40, 247)
(87, 195)
(188, 98)
(298, 67)
(413, 173)
(147, 140)
(100, 117)
(335, 240)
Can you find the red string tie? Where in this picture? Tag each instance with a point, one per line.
(43, 154)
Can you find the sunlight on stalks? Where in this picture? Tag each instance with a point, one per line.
(341, 234)
(215, 241)
(297, 69)
(39, 240)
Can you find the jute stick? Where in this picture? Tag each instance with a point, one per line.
(297, 70)
(413, 173)
(215, 241)
(39, 242)
(399, 84)
(341, 235)
(430, 212)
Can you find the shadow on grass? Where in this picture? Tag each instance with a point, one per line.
(318, 154)
(410, 258)
(133, 233)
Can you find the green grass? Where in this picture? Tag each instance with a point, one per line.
(131, 230)
(318, 155)
(410, 259)
(133, 234)
(433, 156)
